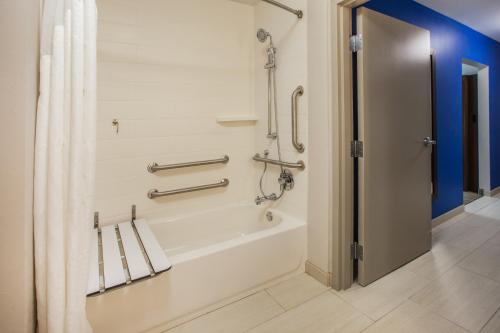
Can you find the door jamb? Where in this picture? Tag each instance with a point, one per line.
(343, 163)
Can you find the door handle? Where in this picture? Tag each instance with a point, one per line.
(429, 142)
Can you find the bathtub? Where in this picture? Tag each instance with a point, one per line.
(216, 255)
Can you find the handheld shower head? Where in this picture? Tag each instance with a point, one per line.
(262, 35)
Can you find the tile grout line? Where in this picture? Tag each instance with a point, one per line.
(274, 299)
(487, 205)
(442, 317)
(488, 321)
(479, 274)
(285, 310)
(208, 312)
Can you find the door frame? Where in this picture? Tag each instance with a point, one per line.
(343, 163)
(483, 93)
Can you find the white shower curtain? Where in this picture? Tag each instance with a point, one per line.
(64, 163)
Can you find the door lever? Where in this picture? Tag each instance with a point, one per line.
(429, 142)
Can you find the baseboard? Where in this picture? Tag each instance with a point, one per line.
(318, 274)
(494, 192)
(448, 215)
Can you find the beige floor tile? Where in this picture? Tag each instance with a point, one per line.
(384, 295)
(324, 313)
(491, 211)
(295, 291)
(463, 297)
(480, 204)
(236, 317)
(485, 260)
(493, 326)
(437, 261)
(469, 233)
(412, 318)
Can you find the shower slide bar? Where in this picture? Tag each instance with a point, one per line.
(299, 165)
(154, 193)
(299, 91)
(153, 167)
(297, 12)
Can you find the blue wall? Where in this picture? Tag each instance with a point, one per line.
(452, 42)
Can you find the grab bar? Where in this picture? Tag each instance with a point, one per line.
(295, 141)
(154, 193)
(299, 165)
(153, 167)
(297, 12)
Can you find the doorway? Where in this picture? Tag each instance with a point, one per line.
(475, 130)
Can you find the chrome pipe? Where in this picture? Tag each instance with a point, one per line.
(297, 12)
(299, 165)
(295, 141)
(154, 193)
(153, 167)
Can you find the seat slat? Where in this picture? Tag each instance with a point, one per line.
(137, 265)
(113, 267)
(156, 254)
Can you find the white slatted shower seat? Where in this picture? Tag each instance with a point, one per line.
(123, 253)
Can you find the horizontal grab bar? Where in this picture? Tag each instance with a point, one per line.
(154, 193)
(299, 165)
(152, 168)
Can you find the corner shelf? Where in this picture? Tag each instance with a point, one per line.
(222, 118)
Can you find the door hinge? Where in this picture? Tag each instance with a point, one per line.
(357, 148)
(356, 43)
(356, 251)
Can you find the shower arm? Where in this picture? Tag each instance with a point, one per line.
(297, 12)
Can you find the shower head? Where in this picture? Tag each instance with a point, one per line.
(262, 35)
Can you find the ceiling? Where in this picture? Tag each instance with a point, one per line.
(480, 15)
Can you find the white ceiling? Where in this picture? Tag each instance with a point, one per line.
(480, 15)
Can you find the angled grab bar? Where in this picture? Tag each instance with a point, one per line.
(154, 193)
(299, 91)
(153, 167)
(299, 165)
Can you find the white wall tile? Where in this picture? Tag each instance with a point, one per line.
(165, 70)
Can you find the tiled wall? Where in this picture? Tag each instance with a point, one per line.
(166, 69)
(290, 39)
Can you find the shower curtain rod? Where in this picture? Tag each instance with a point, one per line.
(297, 12)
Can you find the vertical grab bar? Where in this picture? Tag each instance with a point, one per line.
(299, 91)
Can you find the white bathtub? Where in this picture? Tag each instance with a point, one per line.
(215, 255)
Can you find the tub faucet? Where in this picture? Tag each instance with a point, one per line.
(259, 200)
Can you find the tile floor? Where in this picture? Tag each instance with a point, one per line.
(453, 288)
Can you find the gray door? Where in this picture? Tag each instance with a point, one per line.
(394, 114)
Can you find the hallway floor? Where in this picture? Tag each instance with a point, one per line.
(470, 197)
(453, 288)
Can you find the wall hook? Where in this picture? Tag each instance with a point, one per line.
(115, 124)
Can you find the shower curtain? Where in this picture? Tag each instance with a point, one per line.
(64, 163)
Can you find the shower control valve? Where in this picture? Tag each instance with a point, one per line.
(286, 180)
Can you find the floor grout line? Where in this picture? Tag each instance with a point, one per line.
(285, 310)
(210, 311)
(275, 300)
(488, 321)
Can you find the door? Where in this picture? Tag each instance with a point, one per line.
(470, 133)
(394, 117)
